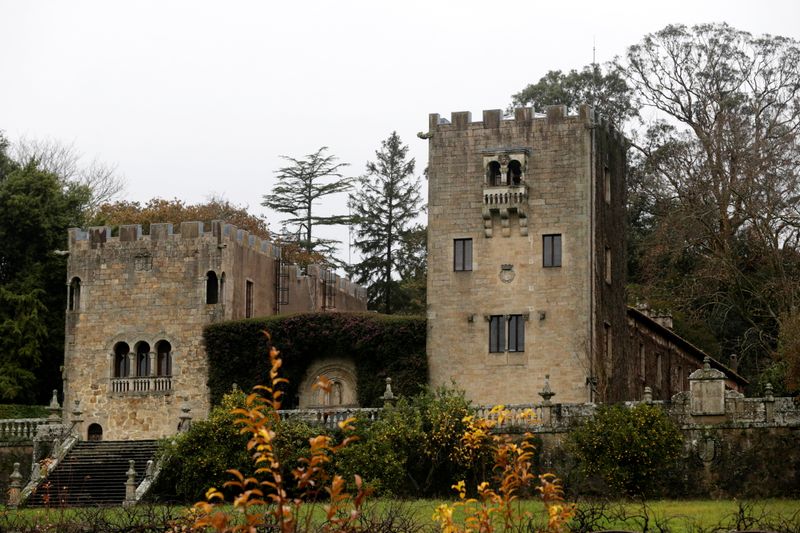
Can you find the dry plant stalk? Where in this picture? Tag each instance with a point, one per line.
(497, 508)
(263, 500)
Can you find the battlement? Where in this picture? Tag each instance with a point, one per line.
(494, 119)
(221, 232)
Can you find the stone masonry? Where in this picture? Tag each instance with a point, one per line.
(137, 305)
(539, 203)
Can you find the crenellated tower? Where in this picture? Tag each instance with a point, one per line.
(525, 254)
(137, 306)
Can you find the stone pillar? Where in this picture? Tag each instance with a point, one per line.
(130, 484)
(707, 390)
(77, 419)
(769, 403)
(547, 406)
(388, 395)
(14, 488)
(152, 363)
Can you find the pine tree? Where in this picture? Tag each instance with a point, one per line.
(300, 187)
(384, 206)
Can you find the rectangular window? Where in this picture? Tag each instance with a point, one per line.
(607, 341)
(642, 365)
(551, 250)
(462, 255)
(607, 185)
(497, 340)
(248, 299)
(658, 370)
(516, 333)
(608, 265)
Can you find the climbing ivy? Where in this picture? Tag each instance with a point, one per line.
(380, 346)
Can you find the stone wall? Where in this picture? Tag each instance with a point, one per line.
(569, 311)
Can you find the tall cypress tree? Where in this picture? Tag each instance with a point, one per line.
(383, 207)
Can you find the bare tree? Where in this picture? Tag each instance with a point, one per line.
(67, 162)
(722, 169)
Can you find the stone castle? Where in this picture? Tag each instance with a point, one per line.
(137, 306)
(525, 281)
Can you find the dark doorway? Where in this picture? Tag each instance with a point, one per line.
(95, 432)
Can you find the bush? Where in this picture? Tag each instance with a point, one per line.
(12, 410)
(200, 457)
(631, 450)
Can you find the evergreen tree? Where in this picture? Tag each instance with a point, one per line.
(386, 203)
(300, 187)
(36, 209)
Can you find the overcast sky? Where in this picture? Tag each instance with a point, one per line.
(193, 98)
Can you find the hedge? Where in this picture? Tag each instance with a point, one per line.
(10, 410)
(380, 346)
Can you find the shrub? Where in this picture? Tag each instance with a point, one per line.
(629, 449)
(201, 456)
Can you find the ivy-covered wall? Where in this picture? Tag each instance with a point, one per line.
(380, 346)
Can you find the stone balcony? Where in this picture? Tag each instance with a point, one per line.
(504, 200)
(141, 385)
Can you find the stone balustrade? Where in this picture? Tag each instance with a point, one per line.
(503, 197)
(330, 417)
(141, 385)
(20, 429)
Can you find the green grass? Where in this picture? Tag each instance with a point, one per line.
(679, 516)
(11, 410)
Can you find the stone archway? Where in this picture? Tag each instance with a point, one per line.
(341, 373)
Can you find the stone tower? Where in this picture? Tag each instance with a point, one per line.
(525, 254)
(134, 354)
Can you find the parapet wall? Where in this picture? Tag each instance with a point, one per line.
(523, 116)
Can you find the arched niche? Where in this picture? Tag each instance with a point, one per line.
(342, 393)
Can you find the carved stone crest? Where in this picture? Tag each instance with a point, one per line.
(507, 274)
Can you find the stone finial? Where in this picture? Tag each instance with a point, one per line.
(546, 393)
(388, 395)
(148, 471)
(185, 417)
(768, 392)
(648, 395)
(234, 388)
(54, 408)
(36, 471)
(14, 487)
(130, 483)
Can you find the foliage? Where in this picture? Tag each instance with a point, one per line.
(36, 209)
(386, 202)
(202, 455)
(720, 173)
(606, 91)
(513, 478)
(413, 271)
(379, 346)
(158, 210)
(268, 486)
(630, 449)
(300, 187)
(12, 410)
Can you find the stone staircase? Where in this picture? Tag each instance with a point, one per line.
(93, 473)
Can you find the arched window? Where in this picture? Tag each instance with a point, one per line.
(121, 362)
(95, 432)
(142, 359)
(164, 361)
(514, 172)
(74, 294)
(212, 287)
(222, 288)
(493, 175)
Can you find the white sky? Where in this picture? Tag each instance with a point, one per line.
(193, 98)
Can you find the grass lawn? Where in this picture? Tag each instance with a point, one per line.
(663, 515)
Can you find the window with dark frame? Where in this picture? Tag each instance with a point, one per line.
(516, 333)
(510, 328)
(551, 250)
(462, 255)
(248, 299)
(497, 340)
